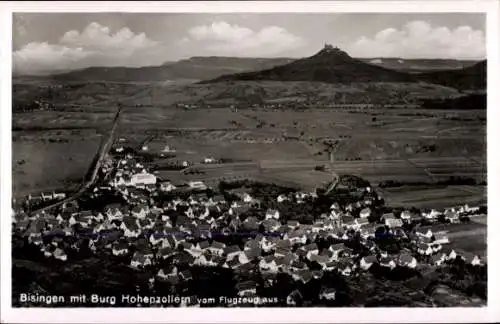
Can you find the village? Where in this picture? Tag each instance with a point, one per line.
(151, 223)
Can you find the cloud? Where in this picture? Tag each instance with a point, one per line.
(95, 45)
(222, 38)
(418, 39)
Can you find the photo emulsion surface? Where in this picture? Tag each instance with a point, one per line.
(249, 160)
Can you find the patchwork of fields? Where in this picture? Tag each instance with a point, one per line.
(397, 144)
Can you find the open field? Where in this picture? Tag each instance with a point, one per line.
(432, 196)
(39, 164)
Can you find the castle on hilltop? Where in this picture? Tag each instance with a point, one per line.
(330, 48)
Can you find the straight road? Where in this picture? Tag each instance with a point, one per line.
(86, 185)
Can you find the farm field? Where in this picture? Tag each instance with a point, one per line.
(39, 164)
(46, 120)
(431, 196)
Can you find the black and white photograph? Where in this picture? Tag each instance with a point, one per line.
(249, 159)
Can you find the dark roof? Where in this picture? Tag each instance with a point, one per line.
(233, 263)
(246, 285)
(405, 258)
(166, 251)
(183, 258)
(186, 274)
(347, 219)
(388, 216)
(232, 249)
(253, 253)
(286, 244)
(370, 259)
(204, 244)
(337, 247)
(311, 247)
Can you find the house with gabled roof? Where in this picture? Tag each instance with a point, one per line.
(438, 259)
(406, 216)
(321, 259)
(231, 251)
(293, 224)
(303, 275)
(186, 275)
(233, 263)
(119, 248)
(114, 211)
(167, 272)
(388, 262)
(296, 237)
(361, 222)
(59, 254)
(365, 213)
(367, 261)
(130, 227)
(394, 222)
(165, 252)
(425, 249)
(327, 293)
(271, 225)
(140, 260)
(470, 258)
(172, 239)
(272, 214)
(297, 265)
(368, 231)
(85, 218)
(337, 249)
(183, 258)
(406, 260)
(249, 255)
(269, 243)
(251, 223)
(295, 298)
(424, 232)
(452, 216)
(35, 230)
(217, 248)
(310, 249)
(246, 288)
(441, 237)
(347, 221)
(252, 244)
(284, 261)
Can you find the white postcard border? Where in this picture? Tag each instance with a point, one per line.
(281, 315)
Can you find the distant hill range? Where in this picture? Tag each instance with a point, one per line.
(469, 78)
(195, 68)
(332, 65)
(329, 65)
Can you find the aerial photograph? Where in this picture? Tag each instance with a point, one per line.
(249, 160)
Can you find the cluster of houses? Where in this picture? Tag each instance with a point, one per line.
(191, 237)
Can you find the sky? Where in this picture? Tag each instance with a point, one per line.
(60, 41)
